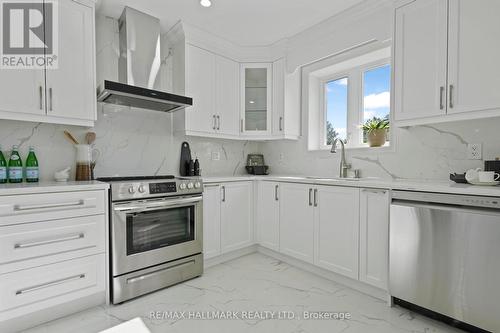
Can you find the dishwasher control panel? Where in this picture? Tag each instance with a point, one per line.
(446, 199)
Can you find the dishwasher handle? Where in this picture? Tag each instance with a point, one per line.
(446, 207)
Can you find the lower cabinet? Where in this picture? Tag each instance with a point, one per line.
(374, 237)
(227, 217)
(297, 221)
(268, 214)
(336, 231)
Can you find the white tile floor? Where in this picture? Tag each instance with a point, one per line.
(253, 283)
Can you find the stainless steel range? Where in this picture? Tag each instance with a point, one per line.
(156, 233)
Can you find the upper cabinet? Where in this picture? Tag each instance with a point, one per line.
(256, 98)
(444, 61)
(65, 94)
(238, 93)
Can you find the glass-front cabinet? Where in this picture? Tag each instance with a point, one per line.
(256, 98)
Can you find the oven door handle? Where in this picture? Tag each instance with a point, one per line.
(157, 205)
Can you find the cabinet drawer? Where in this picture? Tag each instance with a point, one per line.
(50, 206)
(30, 286)
(27, 241)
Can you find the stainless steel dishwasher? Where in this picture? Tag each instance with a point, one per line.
(445, 255)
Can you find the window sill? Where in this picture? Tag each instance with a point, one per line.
(385, 148)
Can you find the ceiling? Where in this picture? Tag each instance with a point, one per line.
(243, 22)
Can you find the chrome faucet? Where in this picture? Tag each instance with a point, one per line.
(344, 166)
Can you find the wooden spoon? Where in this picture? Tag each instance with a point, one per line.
(70, 137)
(90, 137)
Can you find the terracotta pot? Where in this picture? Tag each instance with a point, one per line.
(377, 137)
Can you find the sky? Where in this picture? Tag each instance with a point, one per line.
(376, 97)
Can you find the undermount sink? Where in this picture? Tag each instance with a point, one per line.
(340, 178)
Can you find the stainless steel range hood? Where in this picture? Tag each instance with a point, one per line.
(139, 67)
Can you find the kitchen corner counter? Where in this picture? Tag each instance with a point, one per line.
(51, 186)
(435, 186)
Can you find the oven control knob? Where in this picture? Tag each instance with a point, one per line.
(142, 189)
(197, 185)
(190, 186)
(182, 186)
(131, 190)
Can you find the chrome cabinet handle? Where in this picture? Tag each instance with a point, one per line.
(50, 284)
(218, 122)
(50, 241)
(50, 99)
(40, 92)
(276, 192)
(214, 126)
(310, 197)
(451, 96)
(241, 125)
(441, 98)
(223, 194)
(315, 197)
(281, 124)
(55, 205)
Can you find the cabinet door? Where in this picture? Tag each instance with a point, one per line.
(70, 88)
(200, 85)
(337, 229)
(374, 237)
(268, 211)
(278, 119)
(23, 91)
(236, 216)
(420, 59)
(211, 221)
(228, 96)
(256, 98)
(473, 56)
(296, 221)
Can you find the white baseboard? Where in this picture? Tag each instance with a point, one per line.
(348, 282)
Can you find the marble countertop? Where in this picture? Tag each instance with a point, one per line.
(51, 186)
(436, 186)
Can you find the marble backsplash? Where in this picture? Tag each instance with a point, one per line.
(427, 152)
(130, 142)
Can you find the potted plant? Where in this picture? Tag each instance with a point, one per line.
(376, 131)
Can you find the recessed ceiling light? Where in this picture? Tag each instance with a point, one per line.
(251, 102)
(206, 3)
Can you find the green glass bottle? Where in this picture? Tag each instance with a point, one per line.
(15, 167)
(3, 168)
(31, 167)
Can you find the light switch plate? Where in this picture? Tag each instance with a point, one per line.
(474, 151)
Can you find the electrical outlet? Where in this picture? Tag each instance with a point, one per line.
(474, 151)
(215, 156)
(282, 156)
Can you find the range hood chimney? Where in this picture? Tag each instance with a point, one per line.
(139, 67)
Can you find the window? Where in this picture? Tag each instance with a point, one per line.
(376, 95)
(345, 93)
(336, 109)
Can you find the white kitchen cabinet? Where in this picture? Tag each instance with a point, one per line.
(200, 85)
(336, 229)
(268, 214)
(66, 94)
(227, 75)
(256, 99)
(71, 89)
(286, 102)
(211, 221)
(473, 53)
(297, 221)
(420, 49)
(374, 237)
(236, 216)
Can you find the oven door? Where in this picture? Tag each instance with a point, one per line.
(151, 232)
